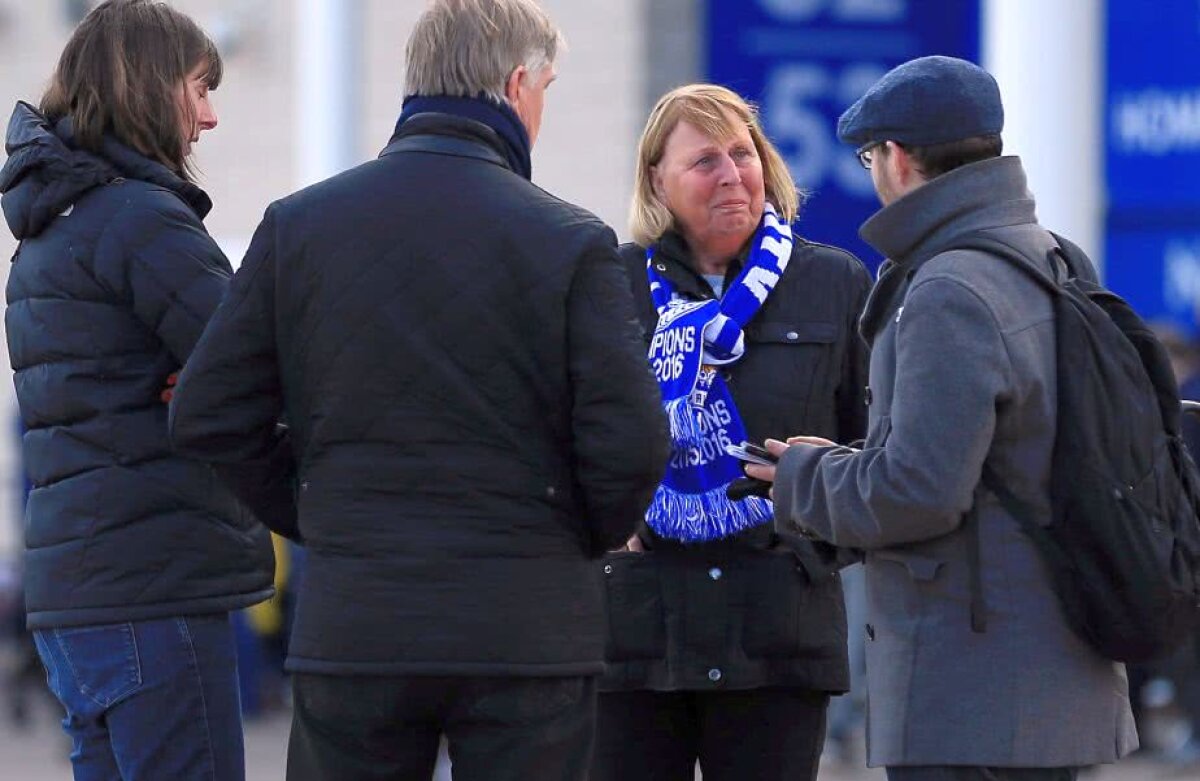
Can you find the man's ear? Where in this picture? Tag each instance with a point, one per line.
(906, 167)
(512, 87)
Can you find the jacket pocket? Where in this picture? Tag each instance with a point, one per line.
(788, 371)
(920, 568)
(634, 607)
(786, 615)
(900, 586)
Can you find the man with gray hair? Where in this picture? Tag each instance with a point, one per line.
(471, 416)
(973, 672)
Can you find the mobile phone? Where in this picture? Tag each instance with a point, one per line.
(751, 453)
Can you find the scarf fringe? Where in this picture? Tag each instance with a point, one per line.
(705, 516)
(684, 422)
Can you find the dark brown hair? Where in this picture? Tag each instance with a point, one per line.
(933, 161)
(121, 73)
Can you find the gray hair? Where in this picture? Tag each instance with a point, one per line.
(470, 47)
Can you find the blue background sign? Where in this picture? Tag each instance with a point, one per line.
(1152, 155)
(805, 61)
(1153, 103)
(1157, 270)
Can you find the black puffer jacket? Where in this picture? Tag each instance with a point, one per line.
(111, 286)
(473, 418)
(747, 611)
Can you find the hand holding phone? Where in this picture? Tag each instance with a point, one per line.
(752, 454)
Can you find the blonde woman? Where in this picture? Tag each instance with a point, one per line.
(725, 642)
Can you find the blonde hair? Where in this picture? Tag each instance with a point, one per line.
(708, 107)
(470, 47)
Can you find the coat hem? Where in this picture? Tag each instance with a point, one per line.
(91, 616)
(991, 763)
(300, 664)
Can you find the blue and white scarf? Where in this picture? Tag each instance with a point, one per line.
(691, 339)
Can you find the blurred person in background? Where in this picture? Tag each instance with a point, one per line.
(726, 642)
(1173, 685)
(24, 677)
(1185, 357)
(457, 356)
(134, 556)
(1185, 363)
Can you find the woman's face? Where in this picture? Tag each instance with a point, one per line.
(202, 116)
(714, 189)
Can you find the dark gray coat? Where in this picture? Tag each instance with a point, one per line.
(962, 372)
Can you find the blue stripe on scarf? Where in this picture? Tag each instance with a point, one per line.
(690, 504)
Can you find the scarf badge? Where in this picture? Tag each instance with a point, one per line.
(691, 341)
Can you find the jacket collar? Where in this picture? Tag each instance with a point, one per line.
(134, 165)
(479, 119)
(989, 194)
(45, 172)
(673, 260)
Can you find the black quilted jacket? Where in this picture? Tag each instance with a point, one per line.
(111, 287)
(472, 416)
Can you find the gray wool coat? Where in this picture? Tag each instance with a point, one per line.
(962, 373)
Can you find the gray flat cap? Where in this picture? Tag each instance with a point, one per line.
(926, 101)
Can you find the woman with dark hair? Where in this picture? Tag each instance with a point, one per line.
(134, 557)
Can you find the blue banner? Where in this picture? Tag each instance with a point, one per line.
(805, 62)
(1153, 104)
(1152, 156)
(1157, 270)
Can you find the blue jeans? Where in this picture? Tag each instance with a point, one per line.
(149, 699)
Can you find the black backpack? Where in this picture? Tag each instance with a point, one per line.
(1123, 543)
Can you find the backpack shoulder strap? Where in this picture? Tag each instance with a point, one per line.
(1079, 265)
(990, 480)
(1019, 511)
(1014, 506)
(981, 242)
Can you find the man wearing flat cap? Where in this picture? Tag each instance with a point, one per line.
(972, 670)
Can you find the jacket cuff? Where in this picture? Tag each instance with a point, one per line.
(794, 475)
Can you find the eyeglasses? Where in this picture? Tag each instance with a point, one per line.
(866, 152)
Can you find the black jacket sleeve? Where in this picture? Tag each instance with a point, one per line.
(229, 400)
(620, 439)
